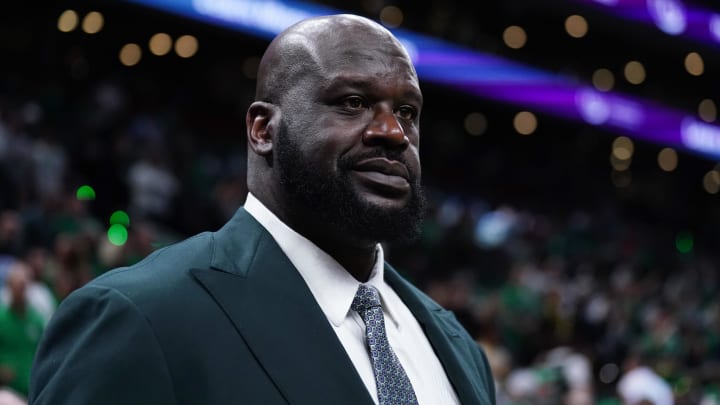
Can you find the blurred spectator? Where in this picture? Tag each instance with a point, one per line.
(11, 232)
(49, 162)
(8, 397)
(5, 262)
(152, 186)
(37, 294)
(20, 331)
(640, 385)
(74, 263)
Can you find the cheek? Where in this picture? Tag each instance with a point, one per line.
(415, 162)
(337, 135)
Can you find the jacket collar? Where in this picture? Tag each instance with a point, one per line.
(445, 335)
(276, 315)
(304, 357)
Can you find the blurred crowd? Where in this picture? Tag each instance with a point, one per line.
(576, 308)
(571, 307)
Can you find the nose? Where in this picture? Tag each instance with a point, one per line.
(385, 128)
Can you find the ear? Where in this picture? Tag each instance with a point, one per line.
(261, 120)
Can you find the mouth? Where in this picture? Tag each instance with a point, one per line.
(383, 173)
(384, 166)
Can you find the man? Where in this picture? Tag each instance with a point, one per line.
(290, 302)
(20, 330)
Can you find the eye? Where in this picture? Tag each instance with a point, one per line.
(406, 112)
(354, 103)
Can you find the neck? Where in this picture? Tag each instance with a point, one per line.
(356, 256)
(359, 262)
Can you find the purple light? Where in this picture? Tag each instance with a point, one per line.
(715, 26)
(673, 17)
(669, 15)
(700, 136)
(492, 77)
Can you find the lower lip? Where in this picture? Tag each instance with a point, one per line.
(386, 181)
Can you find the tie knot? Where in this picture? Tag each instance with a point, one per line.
(366, 297)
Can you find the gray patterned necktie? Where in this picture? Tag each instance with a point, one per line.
(393, 384)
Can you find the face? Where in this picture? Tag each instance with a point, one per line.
(17, 281)
(347, 149)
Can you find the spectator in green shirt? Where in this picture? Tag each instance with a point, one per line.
(20, 331)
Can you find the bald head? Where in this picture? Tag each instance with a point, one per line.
(314, 46)
(337, 98)
(305, 57)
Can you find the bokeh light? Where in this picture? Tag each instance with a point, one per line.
(711, 182)
(576, 26)
(160, 44)
(603, 79)
(117, 234)
(609, 373)
(514, 37)
(694, 64)
(707, 110)
(634, 72)
(619, 165)
(120, 217)
(475, 123)
(525, 123)
(85, 192)
(391, 16)
(67, 21)
(668, 159)
(186, 46)
(684, 242)
(93, 22)
(623, 148)
(130, 54)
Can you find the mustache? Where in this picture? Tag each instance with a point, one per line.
(348, 162)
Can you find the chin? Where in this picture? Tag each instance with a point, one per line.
(383, 219)
(384, 203)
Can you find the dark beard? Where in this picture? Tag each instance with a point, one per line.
(332, 200)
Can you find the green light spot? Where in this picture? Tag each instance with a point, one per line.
(120, 217)
(117, 234)
(85, 193)
(684, 242)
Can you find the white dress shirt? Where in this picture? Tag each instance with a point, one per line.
(334, 289)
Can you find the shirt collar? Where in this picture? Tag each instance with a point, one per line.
(332, 286)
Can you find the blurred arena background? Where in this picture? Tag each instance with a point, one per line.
(569, 147)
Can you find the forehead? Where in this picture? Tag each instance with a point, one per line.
(322, 52)
(367, 65)
(349, 55)
(355, 43)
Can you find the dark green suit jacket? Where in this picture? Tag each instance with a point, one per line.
(222, 318)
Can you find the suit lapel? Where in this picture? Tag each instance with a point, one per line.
(272, 308)
(444, 337)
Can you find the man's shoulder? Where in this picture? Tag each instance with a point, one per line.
(165, 277)
(166, 268)
(160, 286)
